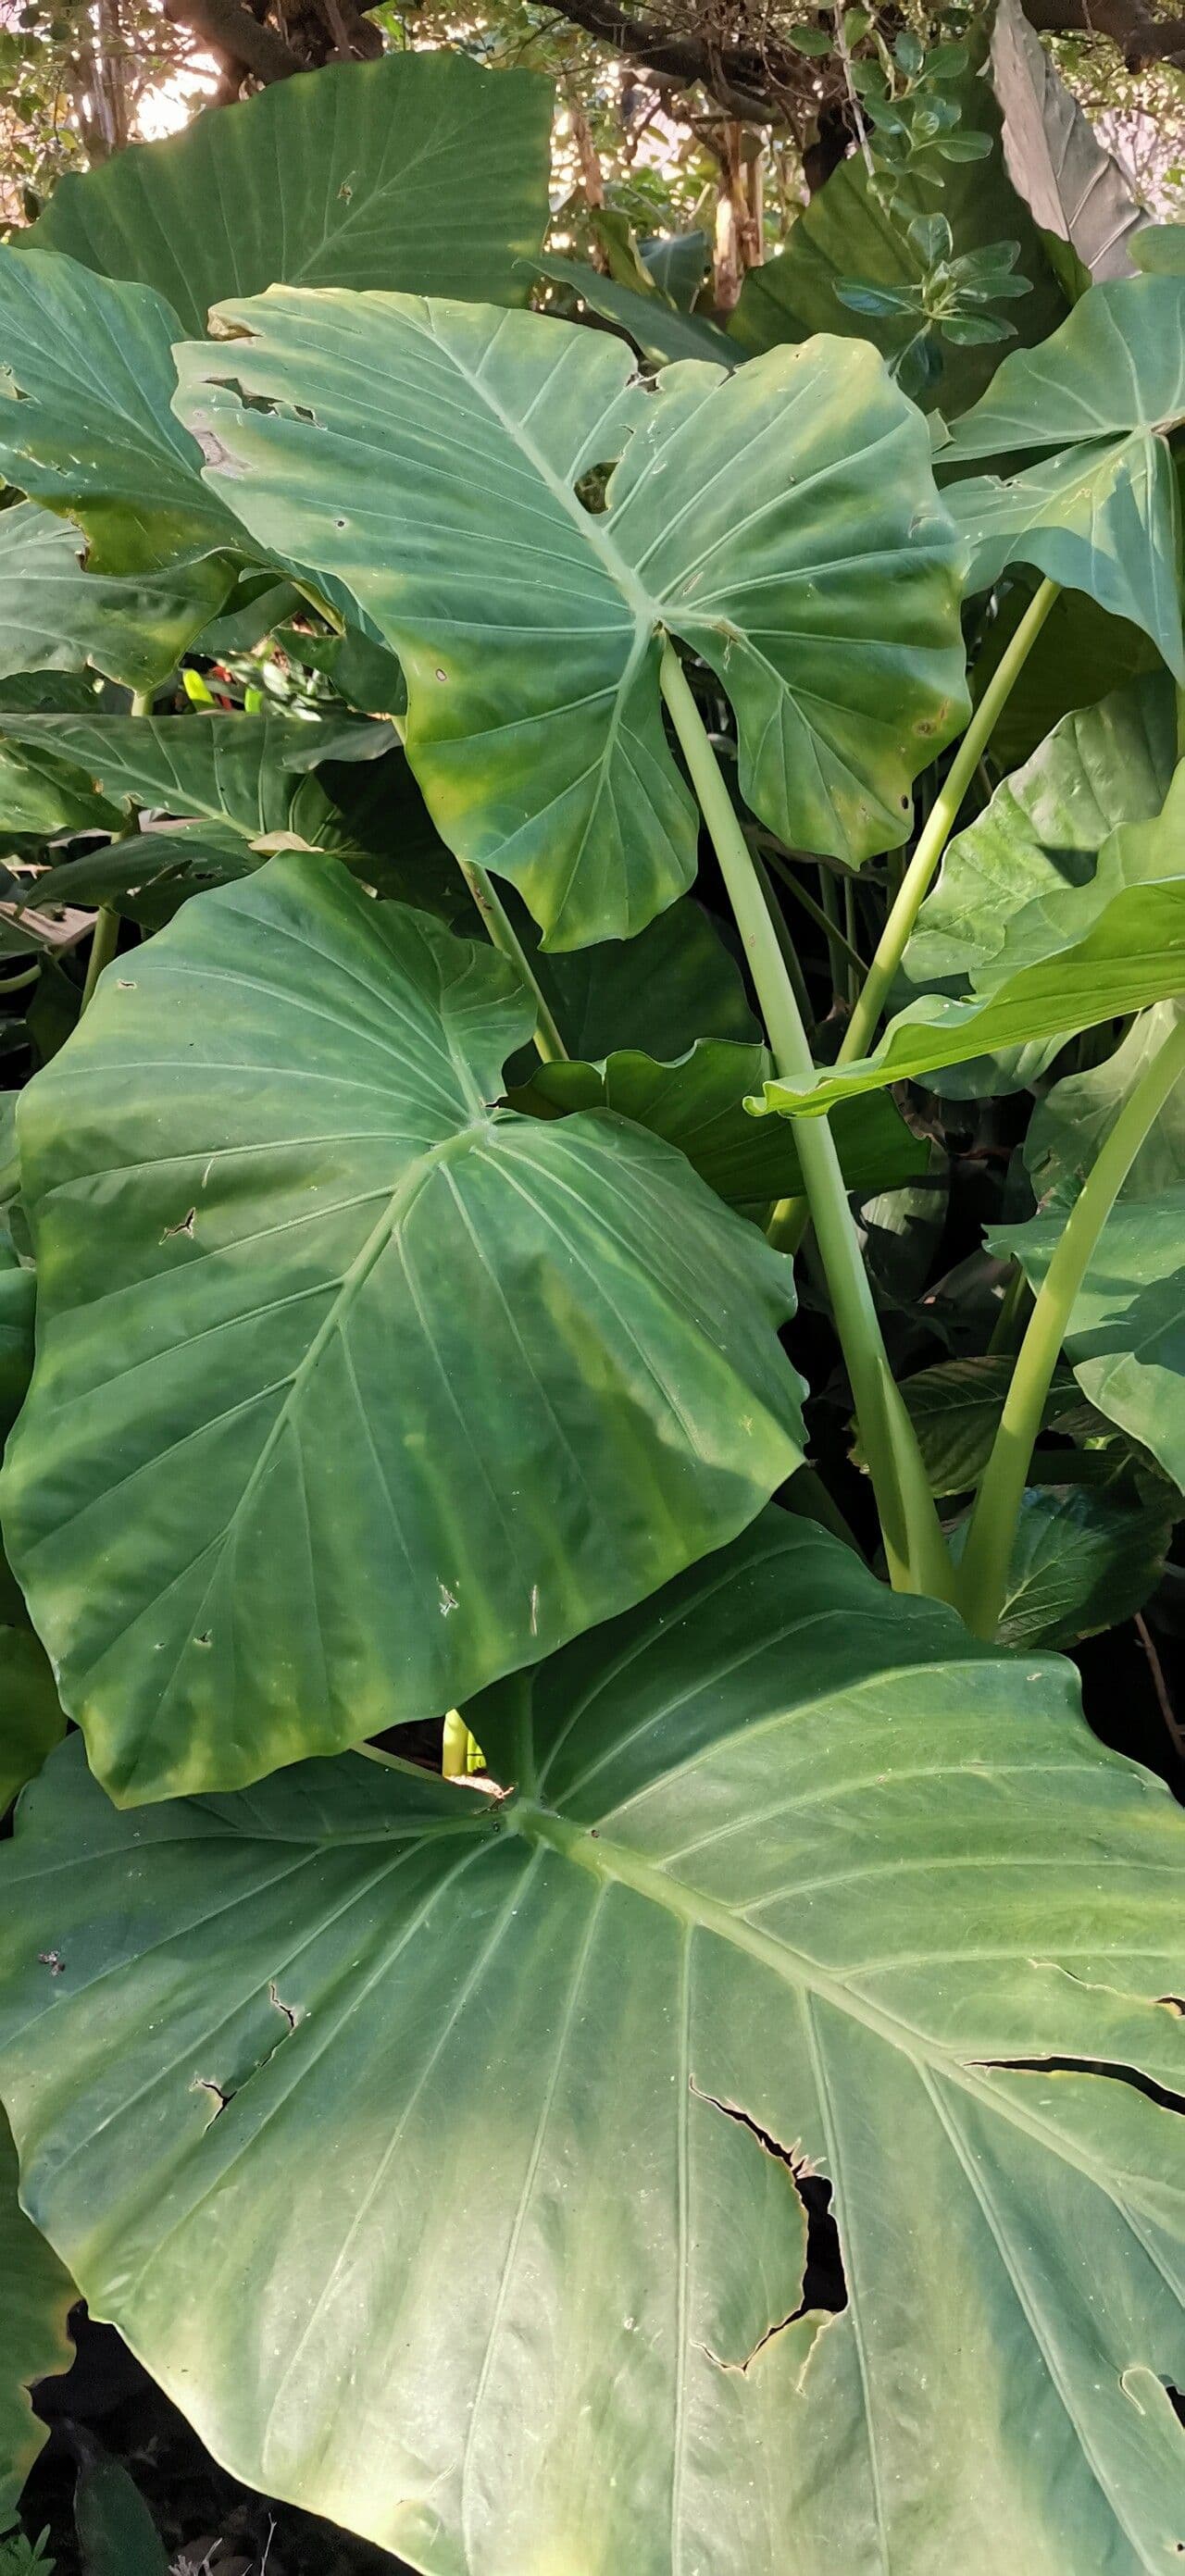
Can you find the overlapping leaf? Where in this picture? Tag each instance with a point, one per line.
(848, 231)
(1127, 1331)
(697, 1103)
(419, 171)
(56, 617)
(1132, 955)
(1097, 510)
(782, 522)
(94, 435)
(1084, 1558)
(36, 2296)
(1041, 832)
(1073, 189)
(351, 1390)
(799, 1907)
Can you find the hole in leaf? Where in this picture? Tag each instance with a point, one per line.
(592, 489)
(824, 2282)
(1130, 2075)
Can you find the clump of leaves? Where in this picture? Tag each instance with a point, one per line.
(543, 1834)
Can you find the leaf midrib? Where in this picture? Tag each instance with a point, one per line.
(614, 1864)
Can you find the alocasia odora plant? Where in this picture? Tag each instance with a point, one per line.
(733, 2122)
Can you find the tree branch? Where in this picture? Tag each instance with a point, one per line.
(1140, 38)
(229, 29)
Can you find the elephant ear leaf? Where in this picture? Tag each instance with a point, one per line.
(782, 522)
(1072, 187)
(406, 1389)
(1096, 508)
(795, 2024)
(419, 170)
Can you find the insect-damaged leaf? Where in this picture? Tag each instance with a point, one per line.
(354, 1390)
(762, 2078)
(432, 462)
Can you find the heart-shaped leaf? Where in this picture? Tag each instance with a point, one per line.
(404, 1390)
(775, 2079)
(418, 171)
(781, 521)
(1098, 510)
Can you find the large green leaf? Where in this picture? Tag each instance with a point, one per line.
(697, 1103)
(56, 617)
(245, 771)
(515, 2122)
(1069, 1124)
(352, 1391)
(1127, 1331)
(419, 171)
(1071, 186)
(781, 521)
(847, 232)
(1043, 828)
(94, 435)
(1132, 954)
(36, 2296)
(1098, 509)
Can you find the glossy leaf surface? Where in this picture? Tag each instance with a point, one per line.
(781, 521)
(94, 435)
(351, 1390)
(796, 1901)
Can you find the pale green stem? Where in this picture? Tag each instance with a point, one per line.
(784, 937)
(549, 1045)
(459, 1754)
(983, 1574)
(914, 1546)
(940, 823)
(105, 935)
(790, 1217)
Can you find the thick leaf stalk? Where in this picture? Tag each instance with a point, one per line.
(983, 1574)
(914, 1546)
(940, 823)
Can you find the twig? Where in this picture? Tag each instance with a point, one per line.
(1173, 1724)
